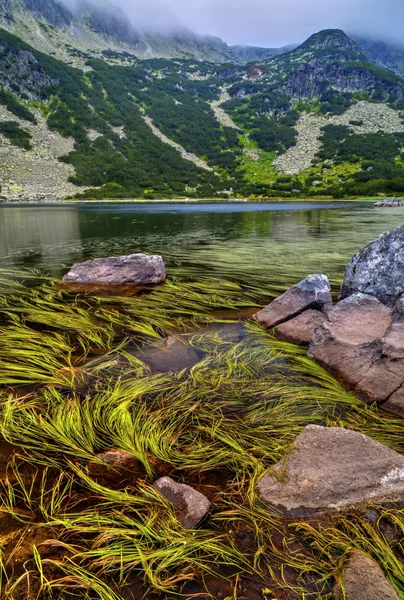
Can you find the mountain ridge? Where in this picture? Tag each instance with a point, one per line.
(92, 30)
(318, 120)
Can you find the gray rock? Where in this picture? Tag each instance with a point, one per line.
(364, 580)
(314, 292)
(378, 269)
(300, 330)
(331, 470)
(135, 269)
(191, 507)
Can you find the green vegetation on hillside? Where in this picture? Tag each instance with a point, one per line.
(17, 136)
(116, 154)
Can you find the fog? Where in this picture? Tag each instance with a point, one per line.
(266, 22)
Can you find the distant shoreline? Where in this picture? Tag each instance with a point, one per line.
(186, 200)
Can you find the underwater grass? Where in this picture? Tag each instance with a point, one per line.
(219, 425)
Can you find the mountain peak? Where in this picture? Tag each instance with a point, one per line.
(330, 38)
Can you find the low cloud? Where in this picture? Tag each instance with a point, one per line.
(265, 22)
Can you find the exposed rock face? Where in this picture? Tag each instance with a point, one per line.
(331, 470)
(364, 580)
(114, 462)
(314, 292)
(135, 269)
(300, 330)
(191, 507)
(378, 269)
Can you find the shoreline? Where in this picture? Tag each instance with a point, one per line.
(321, 199)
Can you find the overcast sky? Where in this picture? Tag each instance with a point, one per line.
(270, 22)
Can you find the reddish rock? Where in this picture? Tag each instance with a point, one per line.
(136, 269)
(359, 345)
(314, 292)
(300, 330)
(364, 580)
(191, 507)
(395, 404)
(114, 463)
(331, 470)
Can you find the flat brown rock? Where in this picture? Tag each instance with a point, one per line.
(364, 580)
(135, 269)
(300, 330)
(330, 470)
(312, 293)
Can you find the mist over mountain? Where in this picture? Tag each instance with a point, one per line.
(264, 23)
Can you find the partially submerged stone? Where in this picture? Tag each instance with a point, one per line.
(300, 330)
(113, 463)
(331, 470)
(169, 354)
(364, 580)
(191, 507)
(314, 292)
(378, 269)
(135, 269)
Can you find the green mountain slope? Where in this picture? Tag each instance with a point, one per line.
(308, 122)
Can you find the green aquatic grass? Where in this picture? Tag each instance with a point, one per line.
(70, 388)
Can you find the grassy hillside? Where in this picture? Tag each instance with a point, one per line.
(149, 129)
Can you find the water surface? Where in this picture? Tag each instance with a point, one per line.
(278, 242)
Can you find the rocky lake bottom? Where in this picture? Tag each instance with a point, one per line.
(106, 392)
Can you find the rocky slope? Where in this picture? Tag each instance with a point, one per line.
(387, 55)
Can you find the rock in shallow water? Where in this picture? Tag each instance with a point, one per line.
(332, 470)
(314, 292)
(378, 269)
(300, 330)
(114, 463)
(191, 507)
(135, 269)
(364, 580)
(362, 346)
(169, 354)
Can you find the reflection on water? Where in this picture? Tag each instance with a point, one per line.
(232, 240)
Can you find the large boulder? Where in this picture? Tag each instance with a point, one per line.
(135, 269)
(378, 269)
(314, 292)
(364, 580)
(330, 470)
(362, 347)
(190, 506)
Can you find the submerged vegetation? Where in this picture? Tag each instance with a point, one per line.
(75, 382)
